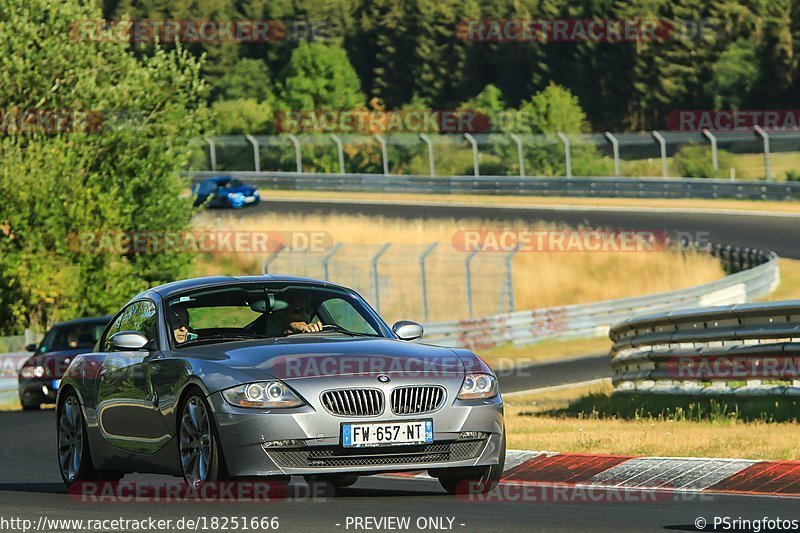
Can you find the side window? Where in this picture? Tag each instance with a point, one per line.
(345, 315)
(139, 316)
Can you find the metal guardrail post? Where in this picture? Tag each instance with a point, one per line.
(714, 155)
(327, 259)
(765, 136)
(468, 273)
(510, 278)
(475, 166)
(567, 155)
(268, 261)
(384, 153)
(256, 155)
(424, 278)
(520, 158)
(212, 152)
(375, 260)
(340, 150)
(298, 158)
(615, 149)
(431, 162)
(662, 142)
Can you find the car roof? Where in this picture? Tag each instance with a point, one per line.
(81, 321)
(168, 289)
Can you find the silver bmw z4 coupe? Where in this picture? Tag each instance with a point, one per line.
(240, 377)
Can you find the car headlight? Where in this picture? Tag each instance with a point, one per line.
(478, 386)
(30, 372)
(264, 395)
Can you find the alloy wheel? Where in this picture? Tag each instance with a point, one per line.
(195, 441)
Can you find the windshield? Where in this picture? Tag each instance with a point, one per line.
(247, 311)
(72, 337)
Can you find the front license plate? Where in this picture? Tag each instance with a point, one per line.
(387, 433)
(249, 199)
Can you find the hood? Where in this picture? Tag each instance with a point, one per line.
(55, 363)
(305, 356)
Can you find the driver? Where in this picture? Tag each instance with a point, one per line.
(72, 340)
(179, 318)
(297, 317)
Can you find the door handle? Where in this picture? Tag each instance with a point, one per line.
(153, 399)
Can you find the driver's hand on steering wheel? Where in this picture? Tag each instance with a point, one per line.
(303, 327)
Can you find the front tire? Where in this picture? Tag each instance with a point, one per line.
(476, 479)
(74, 458)
(199, 451)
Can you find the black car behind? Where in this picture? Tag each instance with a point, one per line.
(40, 375)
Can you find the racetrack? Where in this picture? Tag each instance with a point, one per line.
(779, 232)
(30, 487)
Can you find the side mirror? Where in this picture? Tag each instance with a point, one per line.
(128, 341)
(407, 330)
(30, 348)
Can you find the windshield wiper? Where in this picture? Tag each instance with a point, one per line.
(339, 329)
(225, 337)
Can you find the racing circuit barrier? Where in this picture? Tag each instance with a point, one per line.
(518, 186)
(754, 274)
(735, 349)
(618, 154)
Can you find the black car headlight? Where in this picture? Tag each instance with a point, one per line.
(478, 387)
(30, 372)
(264, 395)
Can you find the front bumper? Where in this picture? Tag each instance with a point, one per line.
(244, 432)
(37, 391)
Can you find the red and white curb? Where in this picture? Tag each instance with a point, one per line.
(669, 474)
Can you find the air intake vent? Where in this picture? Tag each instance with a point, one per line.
(416, 400)
(353, 402)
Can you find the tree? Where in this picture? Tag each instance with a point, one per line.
(735, 74)
(249, 78)
(113, 169)
(243, 116)
(320, 77)
(548, 112)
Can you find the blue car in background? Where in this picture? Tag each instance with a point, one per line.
(224, 191)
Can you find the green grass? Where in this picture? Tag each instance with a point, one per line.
(644, 406)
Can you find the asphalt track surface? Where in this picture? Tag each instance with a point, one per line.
(30, 487)
(772, 231)
(553, 374)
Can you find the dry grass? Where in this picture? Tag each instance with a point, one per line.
(540, 279)
(789, 288)
(530, 427)
(480, 199)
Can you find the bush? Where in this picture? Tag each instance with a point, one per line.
(694, 161)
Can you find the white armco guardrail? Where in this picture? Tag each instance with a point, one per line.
(747, 349)
(596, 319)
